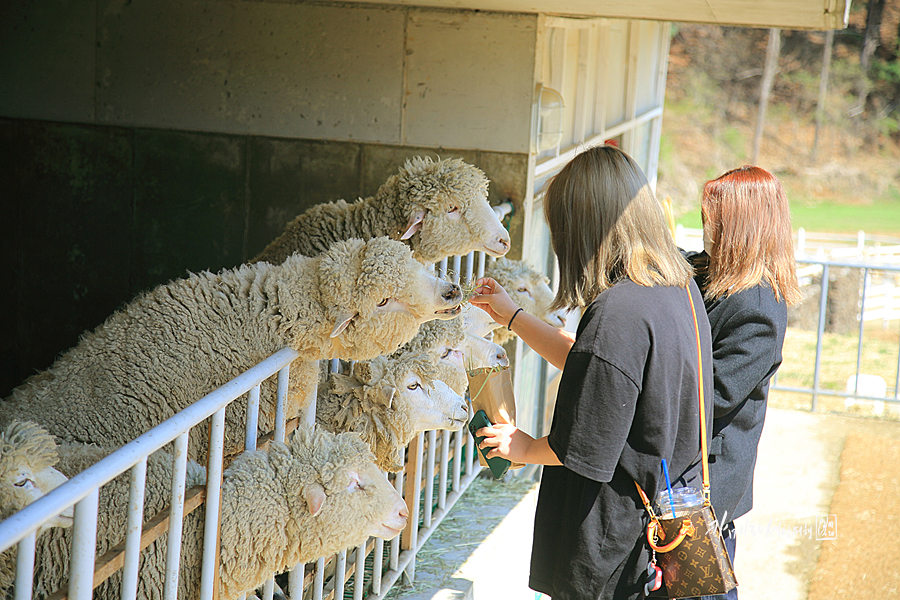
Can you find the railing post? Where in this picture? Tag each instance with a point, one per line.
(84, 543)
(133, 529)
(820, 332)
(25, 566)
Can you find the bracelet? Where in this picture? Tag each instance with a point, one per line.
(509, 326)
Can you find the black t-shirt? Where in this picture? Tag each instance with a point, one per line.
(627, 399)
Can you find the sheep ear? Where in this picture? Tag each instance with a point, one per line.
(342, 321)
(388, 393)
(315, 497)
(414, 225)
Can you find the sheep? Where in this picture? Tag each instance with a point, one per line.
(27, 458)
(389, 401)
(179, 341)
(478, 322)
(439, 208)
(457, 351)
(312, 496)
(529, 288)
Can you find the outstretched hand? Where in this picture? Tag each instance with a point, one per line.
(492, 298)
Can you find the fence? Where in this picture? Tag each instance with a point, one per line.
(435, 477)
(877, 299)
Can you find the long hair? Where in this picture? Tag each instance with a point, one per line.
(606, 225)
(746, 214)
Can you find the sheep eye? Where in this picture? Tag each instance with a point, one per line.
(523, 289)
(446, 352)
(23, 482)
(383, 302)
(453, 209)
(414, 386)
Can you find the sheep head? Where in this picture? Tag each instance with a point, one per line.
(390, 400)
(377, 295)
(442, 340)
(528, 288)
(482, 353)
(443, 209)
(27, 456)
(343, 490)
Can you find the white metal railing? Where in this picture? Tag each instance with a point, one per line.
(430, 461)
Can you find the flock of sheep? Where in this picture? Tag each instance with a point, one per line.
(347, 281)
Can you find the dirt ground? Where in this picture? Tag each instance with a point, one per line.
(861, 562)
(822, 476)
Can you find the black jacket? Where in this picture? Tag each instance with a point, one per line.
(748, 331)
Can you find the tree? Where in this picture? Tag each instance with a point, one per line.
(823, 90)
(772, 51)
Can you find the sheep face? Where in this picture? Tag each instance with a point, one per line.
(27, 456)
(431, 405)
(378, 295)
(481, 353)
(344, 491)
(445, 208)
(529, 288)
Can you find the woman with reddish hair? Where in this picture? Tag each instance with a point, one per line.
(748, 277)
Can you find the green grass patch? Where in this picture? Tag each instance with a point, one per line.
(880, 217)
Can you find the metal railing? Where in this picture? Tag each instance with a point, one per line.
(433, 460)
(887, 310)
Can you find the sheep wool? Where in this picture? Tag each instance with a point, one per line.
(439, 208)
(175, 343)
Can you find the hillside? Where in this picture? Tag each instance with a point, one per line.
(711, 114)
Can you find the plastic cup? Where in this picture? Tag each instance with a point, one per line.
(684, 501)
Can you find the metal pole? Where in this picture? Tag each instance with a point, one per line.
(84, 544)
(823, 303)
(176, 517)
(133, 529)
(25, 566)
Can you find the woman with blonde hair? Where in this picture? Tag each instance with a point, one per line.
(748, 276)
(628, 396)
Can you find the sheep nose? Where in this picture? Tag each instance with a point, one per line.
(504, 242)
(453, 293)
(501, 355)
(404, 512)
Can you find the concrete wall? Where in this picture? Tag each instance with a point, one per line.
(140, 140)
(432, 78)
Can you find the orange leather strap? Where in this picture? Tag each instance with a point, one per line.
(703, 450)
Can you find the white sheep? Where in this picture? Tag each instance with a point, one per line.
(389, 401)
(456, 350)
(179, 341)
(439, 208)
(529, 289)
(314, 496)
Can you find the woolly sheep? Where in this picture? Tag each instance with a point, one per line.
(176, 343)
(456, 350)
(478, 322)
(316, 495)
(439, 208)
(529, 289)
(389, 401)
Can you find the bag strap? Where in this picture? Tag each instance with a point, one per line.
(703, 449)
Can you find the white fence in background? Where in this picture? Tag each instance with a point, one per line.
(440, 466)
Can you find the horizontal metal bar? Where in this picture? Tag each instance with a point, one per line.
(849, 265)
(833, 393)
